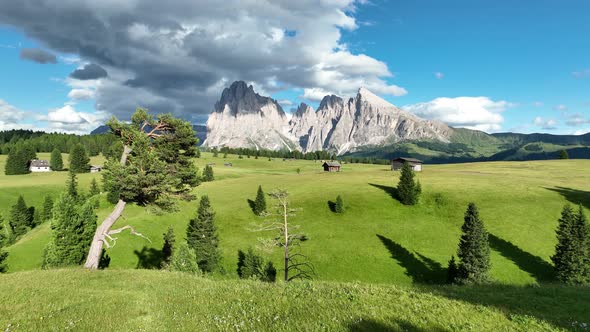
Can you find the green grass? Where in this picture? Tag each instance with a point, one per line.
(127, 300)
(376, 240)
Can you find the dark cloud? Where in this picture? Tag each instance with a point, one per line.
(37, 55)
(178, 55)
(89, 72)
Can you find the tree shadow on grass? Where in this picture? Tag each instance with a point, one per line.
(423, 270)
(371, 325)
(332, 206)
(148, 258)
(534, 265)
(574, 196)
(252, 205)
(391, 191)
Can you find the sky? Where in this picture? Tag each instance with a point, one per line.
(497, 66)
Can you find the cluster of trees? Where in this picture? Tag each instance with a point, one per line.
(253, 266)
(46, 142)
(572, 251)
(208, 174)
(23, 218)
(18, 160)
(317, 155)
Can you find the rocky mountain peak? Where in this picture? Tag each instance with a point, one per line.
(331, 101)
(241, 98)
(364, 95)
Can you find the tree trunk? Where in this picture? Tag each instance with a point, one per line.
(95, 251)
(286, 226)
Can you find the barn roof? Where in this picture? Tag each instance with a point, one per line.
(332, 164)
(39, 163)
(410, 160)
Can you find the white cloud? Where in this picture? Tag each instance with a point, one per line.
(581, 131)
(479, 113)
(81, 94)
(67, 119)
(547, 124)
(11, 117)
(577, 120)
(315, 94)
(582, 73)
(439, 75)
(560, 107)
(538, 104)
(285, 102)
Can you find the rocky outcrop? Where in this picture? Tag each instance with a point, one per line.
(243, 118)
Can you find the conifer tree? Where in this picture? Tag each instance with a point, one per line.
(563, 154)
(168, 247)
(17, 162)
(572, 257)
(73, 226)
(215, 153)
(72, 185)
(201, 236)
(251, 265)
(474, 249)
(47, 212)
(208, 174)
(4, 239)
(94, 189)
(339, 206)
(21, 218)
(184, 260)
(56, 162)
(3, 256)
(260, 202)
(452, 271)
(79, 161)
(408, 190)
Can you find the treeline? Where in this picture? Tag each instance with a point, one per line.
(38, 141)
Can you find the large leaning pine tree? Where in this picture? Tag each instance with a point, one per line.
(474, 249)
(155, 168)
(201, 236)
(56, 162)
(408, 190)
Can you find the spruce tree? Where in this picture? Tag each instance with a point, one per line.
(452, 271)
(474, 249)
(79, 161)
(252, 266)
(563, 154)
(17, 162)
(184, 260)
(73, 226)
(72, 185)
(47, 212)
(339, 206)
(572, 257)
(21, 217)
(168, 247)
(201, 236)
(408, 190)
(94, 189)
(3, 256)
(56, 162)
(208, 174)
(215, 153)
(260, 202)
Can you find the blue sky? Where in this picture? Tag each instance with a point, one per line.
(491, 65)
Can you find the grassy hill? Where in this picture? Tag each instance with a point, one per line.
(128, 300)
(376, 240)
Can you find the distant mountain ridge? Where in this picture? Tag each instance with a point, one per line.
(244, 119)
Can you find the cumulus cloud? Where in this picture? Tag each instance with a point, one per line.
(479, 113)
(285, 102)
(81, 94)
(68, 119)
(560, 107)
(10, 116)
(577, 120)
(438, 75)
(37, 55)
(547, 124)
(176, 56)
(90, 71)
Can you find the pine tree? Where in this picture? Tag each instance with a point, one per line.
(260, 202)
(408, 190)
(184, 260)
(17, 162)
(208, 174)
(47, 212)
(201, 235)
(452, 271)
(72, 185)
(56, 162)
(3, 241)
(3, 256)
(94, 189)
(21, 217)
(251, 266)
(474, 249)
(215, 153)
(339, 206)
(198, 153)
(79, 161)
(168, 247)
(563, 154)
(73, 226)
(572, 256)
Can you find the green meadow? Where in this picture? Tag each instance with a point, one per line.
(378, 246)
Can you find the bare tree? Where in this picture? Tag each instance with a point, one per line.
(296, 264)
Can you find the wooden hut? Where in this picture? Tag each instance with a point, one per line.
(331, 166)
(397, 163)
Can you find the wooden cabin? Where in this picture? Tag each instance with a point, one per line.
(398, 163)
(331, 166)
(95, 169)
(36, 165)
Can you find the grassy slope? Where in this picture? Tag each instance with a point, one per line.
(158, 301)
(377, 239)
